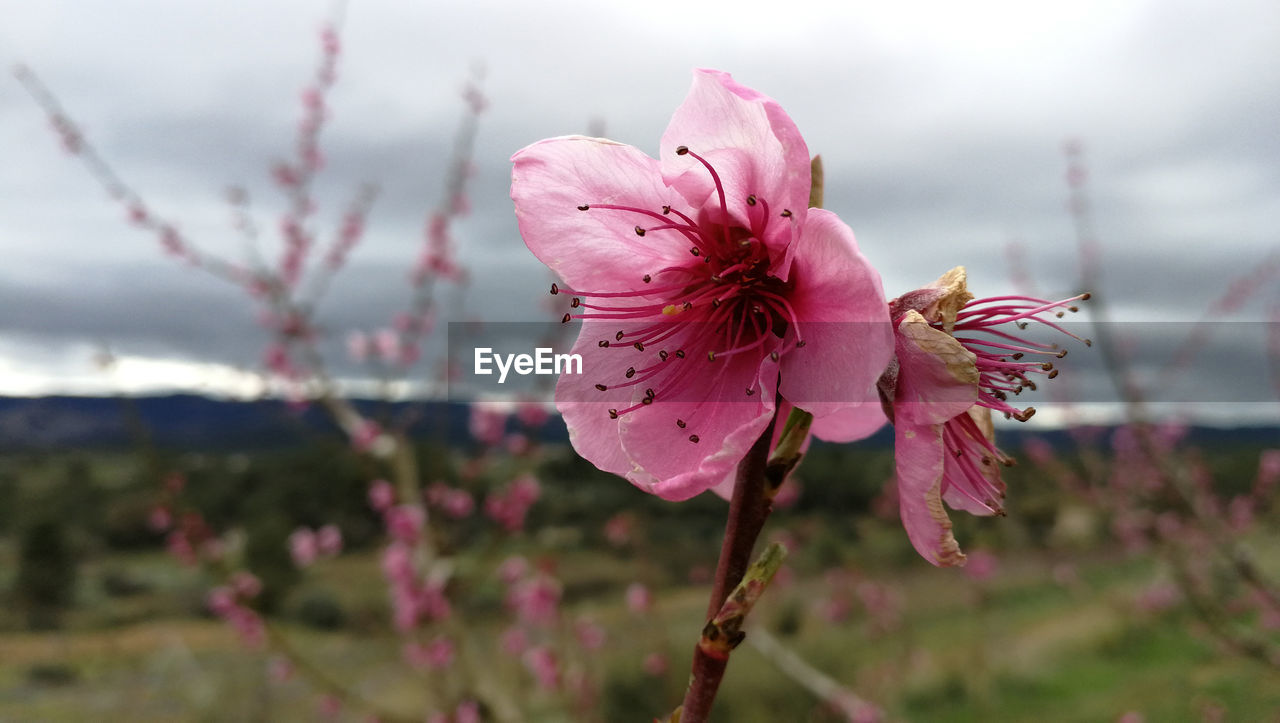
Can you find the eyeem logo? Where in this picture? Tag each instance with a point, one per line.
(542, 361)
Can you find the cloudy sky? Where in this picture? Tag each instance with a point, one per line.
(941, 124)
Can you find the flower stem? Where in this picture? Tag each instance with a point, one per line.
(748, 509)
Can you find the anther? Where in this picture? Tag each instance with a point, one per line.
(1073, 309)
(639, 346)
(662, 354)
(639, 231)
(695, 251)
(646, 278)
(680, 423)
(687, 305)
(1062, 353)
(554, 289)
(693, 438)
(751, 200)
(786, 213)
(604, 343)
(681, 150)
(613, 414)
(650, 393)
(618, 336)
(666, 210)
(1085, 296)
(647, 400)
(631, 372)
(1046, 366)
(679, 353)
(750, 391)
(800, 343)
(1053, 374)
(711, 356)
(1088, 342)
(715, 303)
(565, 319)
(602, 387)
(584, 207)
(575, 303)
(1017, 356)
(773, 356)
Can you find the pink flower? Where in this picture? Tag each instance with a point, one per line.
(435, 655)
(381, 495)
(488, 423)
(589, 633)
(639, 599)
(302, 547)
(953, 367)
(512, 569)
(655, 664)
(246, 584)
(707, 285)
(536, 600)
(358, 346)
(329, 540)
(544, 665)
(404, 523)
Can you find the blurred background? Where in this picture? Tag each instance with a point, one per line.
(179, 411)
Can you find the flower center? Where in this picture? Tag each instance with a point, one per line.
(683, 320)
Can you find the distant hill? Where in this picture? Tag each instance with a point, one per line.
(196, 422)
(193, 421)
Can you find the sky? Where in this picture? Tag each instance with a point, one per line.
(941, 125)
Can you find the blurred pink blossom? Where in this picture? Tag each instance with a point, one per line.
(329, 540)
(404, 523)
(655, 664)
(589, 633)
(302, 547)
(639, 599)
(544, 665)
(381, 495)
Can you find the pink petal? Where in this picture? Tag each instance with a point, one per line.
(671, 466)
(851, 423)
(752, 143)
(724, 488)
(919, 453)
(585, 409)
(937, 377)
(844, 321)
(594, 250)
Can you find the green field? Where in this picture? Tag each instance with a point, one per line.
(1056, 634)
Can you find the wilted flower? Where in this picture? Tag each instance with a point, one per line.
(955, 363)
(707, 284)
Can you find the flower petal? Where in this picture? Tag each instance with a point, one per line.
(585, 408)
(725, 487)
(754, 146)
(724, 418)
(850, 423)
(918, 453)
(596, 249)
(843, 321)
(937, 377)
